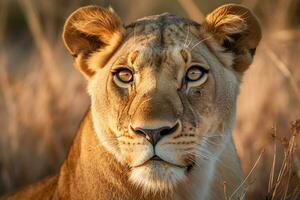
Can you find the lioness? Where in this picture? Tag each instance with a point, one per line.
(163, 101)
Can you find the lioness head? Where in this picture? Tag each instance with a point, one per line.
(163, 89)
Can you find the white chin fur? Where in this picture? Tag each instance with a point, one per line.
(157, 177)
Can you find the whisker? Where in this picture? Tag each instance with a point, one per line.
(205, 136)
(207, 158)
(202, 156)
(113, 140)
(194, 162)
(200, 42)
(211, 136)
(189, 43)
(210, 142)
(210, 156)
(199, 154)
(187, 36)
(134, 34)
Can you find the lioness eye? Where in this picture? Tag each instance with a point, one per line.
(124, 75)
(195, 73)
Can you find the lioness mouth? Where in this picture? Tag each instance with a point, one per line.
(157, 158)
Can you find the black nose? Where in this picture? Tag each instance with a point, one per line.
(154, 135)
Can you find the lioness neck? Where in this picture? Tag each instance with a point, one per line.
(91, 172)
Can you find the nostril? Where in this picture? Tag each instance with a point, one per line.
(168, 131)
(146, 133)
(138, 131)
(154, 135)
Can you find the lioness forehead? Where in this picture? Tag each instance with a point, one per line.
(161, 30)
(158, 40)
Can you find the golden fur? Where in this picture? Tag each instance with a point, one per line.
(112, 156)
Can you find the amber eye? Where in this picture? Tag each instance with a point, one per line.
(195, 73)
(124, 75)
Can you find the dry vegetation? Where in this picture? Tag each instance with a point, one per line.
(42, 98)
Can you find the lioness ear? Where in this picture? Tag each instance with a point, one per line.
(92, 34)
(237, 29)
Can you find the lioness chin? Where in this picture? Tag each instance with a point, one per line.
(163, 101)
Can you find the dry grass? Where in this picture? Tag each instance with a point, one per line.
(42, 100)
(280, 185)
(284, 184)
(39, 111)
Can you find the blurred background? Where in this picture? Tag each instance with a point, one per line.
(43, 98)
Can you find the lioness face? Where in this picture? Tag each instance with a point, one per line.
(155, 102)
(165, 97)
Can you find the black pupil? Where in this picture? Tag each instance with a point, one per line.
(125, 75)
(195, 73)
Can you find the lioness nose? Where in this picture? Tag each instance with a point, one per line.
(154, 135)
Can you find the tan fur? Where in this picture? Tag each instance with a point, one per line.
(108, 158)
(92, 22)
(231, 20)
